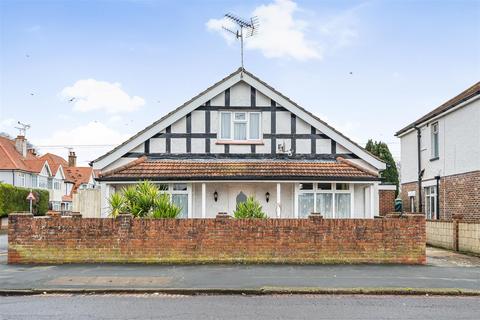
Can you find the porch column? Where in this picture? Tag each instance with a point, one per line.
(204, 200)
(279, 191)
(372, 201)
(106, 190)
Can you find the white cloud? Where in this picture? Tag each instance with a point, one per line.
(90, 94)
(88, 141)
(282, 34)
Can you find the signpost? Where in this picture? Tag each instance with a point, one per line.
(31, 197)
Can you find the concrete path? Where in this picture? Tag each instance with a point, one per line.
(444, 270)
(237, 307)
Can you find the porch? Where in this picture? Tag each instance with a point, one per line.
(285, 189)
(282, 199)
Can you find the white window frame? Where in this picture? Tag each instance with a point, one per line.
(435, 140)
(431, 211)
(232, 125)
(22, 177)
(188, 192)
(332, 191)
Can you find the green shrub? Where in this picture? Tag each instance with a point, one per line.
(14, 199)
(144, 200)
(249, 209)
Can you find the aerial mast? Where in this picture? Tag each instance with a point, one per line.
(249, 26)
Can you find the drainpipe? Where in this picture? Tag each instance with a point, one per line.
(420, 171)
(438, 196)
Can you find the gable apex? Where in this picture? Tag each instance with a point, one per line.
(238, 76)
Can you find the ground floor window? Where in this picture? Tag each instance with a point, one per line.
(412, 204)
(332, 200)
(431, 202)
(179, 195)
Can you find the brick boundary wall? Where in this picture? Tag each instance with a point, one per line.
(459, 194)
(386, 201)
(56, 240)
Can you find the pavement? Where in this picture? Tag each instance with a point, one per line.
(237, 307)
(446, 272)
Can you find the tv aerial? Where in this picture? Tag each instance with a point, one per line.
(249, 26)
(22, 128)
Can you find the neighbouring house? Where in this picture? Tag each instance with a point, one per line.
(239, 138)
(76, 178)
(23, 167)
(440, 159)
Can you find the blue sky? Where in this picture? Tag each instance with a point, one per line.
(366, 67)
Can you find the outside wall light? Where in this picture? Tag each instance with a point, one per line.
(267, 196)
(215, 196)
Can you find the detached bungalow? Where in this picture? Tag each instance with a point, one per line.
(241, 138)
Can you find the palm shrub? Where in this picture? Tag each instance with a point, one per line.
(143, 200)
(249, 209)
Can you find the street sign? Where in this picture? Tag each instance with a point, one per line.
(31, 196)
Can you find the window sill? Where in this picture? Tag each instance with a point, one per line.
(240, 142)
(433, 159)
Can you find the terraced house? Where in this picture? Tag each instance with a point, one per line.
(241, 138)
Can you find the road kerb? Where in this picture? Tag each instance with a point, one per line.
(247, 291)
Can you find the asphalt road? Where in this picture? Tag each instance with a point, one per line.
(238, 307)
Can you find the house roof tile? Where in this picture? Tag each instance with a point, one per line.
(152, 169)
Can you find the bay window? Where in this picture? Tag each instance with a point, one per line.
(239, 126)
(332, 200)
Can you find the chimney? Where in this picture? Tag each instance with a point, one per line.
(21, 145)
(72, 159)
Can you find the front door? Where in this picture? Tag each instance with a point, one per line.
(238, 192)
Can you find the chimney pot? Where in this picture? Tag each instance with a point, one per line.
(72, 159)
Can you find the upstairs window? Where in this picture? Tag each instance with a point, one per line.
(239, 126)
(435, 151)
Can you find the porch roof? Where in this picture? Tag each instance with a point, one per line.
(216, 169)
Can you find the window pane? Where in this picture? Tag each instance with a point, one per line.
(180, 187)
(325, 204)
(240, 116)
(226, 125)
(306, 186)
(342, 186)
(305, 204)
(240, 131)
(254, 125)
(342, 205)
(181, 201)
(324, 186)
(163, 187)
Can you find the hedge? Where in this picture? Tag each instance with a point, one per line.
(14, 199)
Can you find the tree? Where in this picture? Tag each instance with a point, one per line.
(380, 149)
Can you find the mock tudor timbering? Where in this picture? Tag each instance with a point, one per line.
(250, 139)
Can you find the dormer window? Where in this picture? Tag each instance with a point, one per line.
(239, 126)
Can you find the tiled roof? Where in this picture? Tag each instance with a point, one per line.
(11, 159)
(144, 168)
(78, 175)
(464, 96)
(54, 162)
